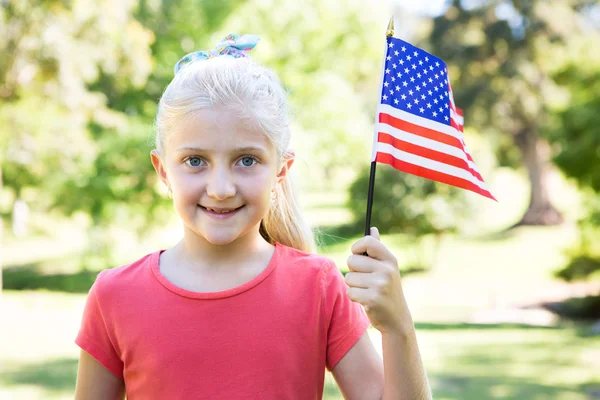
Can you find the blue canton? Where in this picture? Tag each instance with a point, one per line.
(415, 81)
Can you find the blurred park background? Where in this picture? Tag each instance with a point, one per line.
(505, 296)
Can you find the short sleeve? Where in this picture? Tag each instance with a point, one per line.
(94, 336)
(347, 319)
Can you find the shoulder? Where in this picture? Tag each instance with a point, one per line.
(315, 268)
(124, 276)
(294, 258)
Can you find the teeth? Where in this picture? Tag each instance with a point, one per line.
(220, 212)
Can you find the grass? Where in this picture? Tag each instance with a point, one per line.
(464, 361)
(471, 275)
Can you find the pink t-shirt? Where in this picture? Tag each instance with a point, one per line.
(270, 338)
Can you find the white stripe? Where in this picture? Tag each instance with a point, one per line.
(429, 164)
(415, 119)
(425, 142)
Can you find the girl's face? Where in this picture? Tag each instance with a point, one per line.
(221, 173)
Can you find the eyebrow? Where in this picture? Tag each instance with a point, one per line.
(237, 150)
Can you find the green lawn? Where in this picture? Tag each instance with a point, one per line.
(473, 276)
(464, 361)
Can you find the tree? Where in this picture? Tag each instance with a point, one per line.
(501, 55)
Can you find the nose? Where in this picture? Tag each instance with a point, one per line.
(220, 184)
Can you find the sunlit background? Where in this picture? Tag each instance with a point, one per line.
(505, 295)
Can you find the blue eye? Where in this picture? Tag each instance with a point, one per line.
(248, 161)
(193, 161)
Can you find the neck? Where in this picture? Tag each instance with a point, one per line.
(199, 252)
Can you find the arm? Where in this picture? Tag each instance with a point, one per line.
(95, 382)
(405, 376)
(374, 282)
(359, 374)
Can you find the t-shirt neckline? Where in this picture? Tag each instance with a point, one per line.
(155, 258)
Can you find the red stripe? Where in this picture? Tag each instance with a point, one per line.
(431, 174)
(420, 131)
(427, 153)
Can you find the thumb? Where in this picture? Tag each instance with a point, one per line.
(375, 232)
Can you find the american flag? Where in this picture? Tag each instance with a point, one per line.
(418, 128)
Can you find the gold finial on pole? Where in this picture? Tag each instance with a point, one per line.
(390, 29)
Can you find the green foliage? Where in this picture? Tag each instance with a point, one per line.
(408, 204)
(328, 55)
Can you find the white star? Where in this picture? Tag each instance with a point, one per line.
(406, 70)
(430, 80)
(418, 75)
(388, 58)
(431, 67)
(437, 64)
(401, 62)
(414, 66)
(434, 114)
(430, 92)
(436, 88)
(393, 79)
(408, 105)
(399, 74)
(396, 101)
(426, 58)
(446, 93)
(392, 91)
(385, 97)
(394, 66)
(403, 97)
(446, 105)
(422, 110)
(441, 85)
(446, 117)
(441, 110)
(397, 88)
(410, 92)
(412, 78)
(435, 101)
(445, 81)
(408, 58)
(403, 48)
(405, 83)
(386, 84)
(420, 62)
(415, 53)
(441, 97)
(425, 71)
(391, 44)
(437, 76)
(424, 84)
(418, 88)
(416, 101)
(396, 53)
(428, 105)
(423, 96)
(387, 71)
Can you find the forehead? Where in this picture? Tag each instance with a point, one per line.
(217, 130)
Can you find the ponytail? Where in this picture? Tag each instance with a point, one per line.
(285, 222)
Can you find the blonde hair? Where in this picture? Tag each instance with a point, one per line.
(256, 93)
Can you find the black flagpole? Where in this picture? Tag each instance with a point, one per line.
(389, 32)
(370, 198)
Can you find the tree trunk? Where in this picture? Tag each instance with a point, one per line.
(536, 154)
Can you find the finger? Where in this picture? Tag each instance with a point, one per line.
(360, 263)
(375, 233)
(358, 295)
(356, 279)
(373, 247)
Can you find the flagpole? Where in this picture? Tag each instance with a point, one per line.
(389, 32)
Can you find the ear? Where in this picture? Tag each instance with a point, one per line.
(287, 164)
(159, 167)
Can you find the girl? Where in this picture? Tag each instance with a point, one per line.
(240, 308)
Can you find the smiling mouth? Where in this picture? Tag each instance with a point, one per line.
(221, 210)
